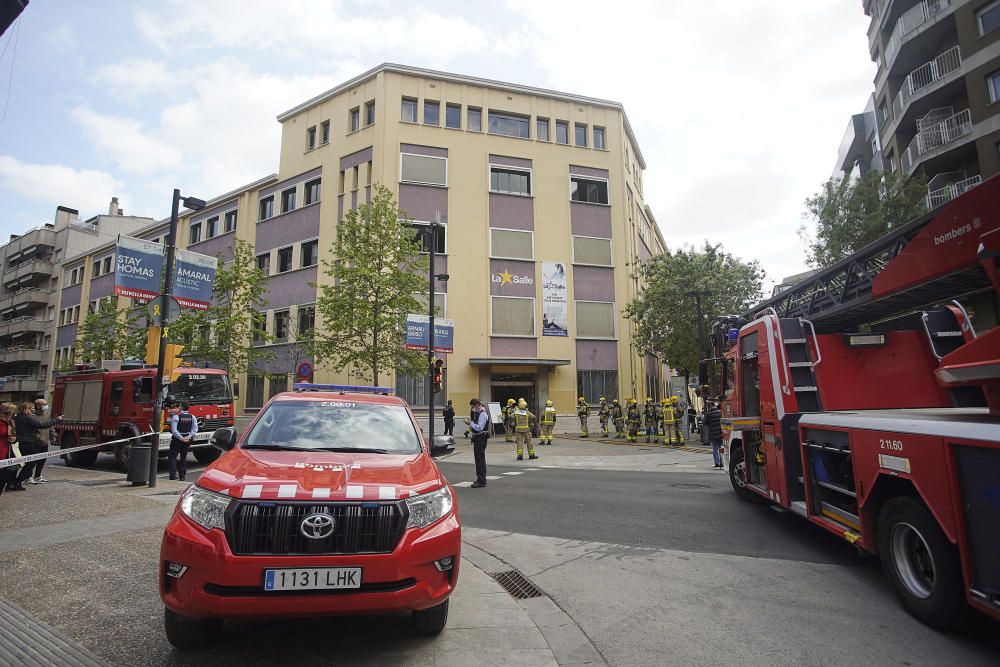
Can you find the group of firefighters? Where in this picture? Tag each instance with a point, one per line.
(654, 421)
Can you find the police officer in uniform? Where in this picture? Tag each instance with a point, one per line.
(183, 428)
(523, 419)
(548, 423)
(583, 412)
(618, 417)
(634, 420)
(604, 412)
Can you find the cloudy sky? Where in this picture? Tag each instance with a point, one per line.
(739, 107)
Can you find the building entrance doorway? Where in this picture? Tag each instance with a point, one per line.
(514, 385)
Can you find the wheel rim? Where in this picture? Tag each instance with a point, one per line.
(912, 560)
(740, 474)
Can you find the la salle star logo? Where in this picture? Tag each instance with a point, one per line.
(507, 278)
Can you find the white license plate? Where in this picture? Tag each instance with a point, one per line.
(312, 579)
(201, 437)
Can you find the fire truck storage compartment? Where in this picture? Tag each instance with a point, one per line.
(82, 401)
(791, 454)
(750, 375)
(832, 490)
(978, 471)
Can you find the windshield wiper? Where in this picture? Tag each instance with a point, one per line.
(277, 447)
(363, 450)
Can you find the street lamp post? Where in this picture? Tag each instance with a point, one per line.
(430, 234)
(194, 204)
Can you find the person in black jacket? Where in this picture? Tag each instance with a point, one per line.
(449, 419)
(33, 438)
(713, 424)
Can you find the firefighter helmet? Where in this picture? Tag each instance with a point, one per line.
(615, 401)
(510, 401)
(521, 403)
(548, 404)
(581, 400)
(602, 399)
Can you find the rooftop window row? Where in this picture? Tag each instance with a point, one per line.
(319, 135)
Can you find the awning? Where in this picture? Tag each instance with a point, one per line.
(513, 361)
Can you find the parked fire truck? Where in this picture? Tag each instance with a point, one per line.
(864, 400)
(104, 405)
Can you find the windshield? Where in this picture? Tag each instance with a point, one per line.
(198, 388)
(334, 425)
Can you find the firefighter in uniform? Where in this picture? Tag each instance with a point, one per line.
(523, 419)
(634, 420)
(650, 419)
(672, 422)
(583, 412)
(618, 417)
(548, 423)
(604, 412)
(508, 420)
(664, 402)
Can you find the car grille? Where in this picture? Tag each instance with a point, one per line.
(265, 528)
(213, 424)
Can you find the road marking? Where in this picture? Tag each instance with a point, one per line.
(531, 469)
(464, 485)
(513, 473)
(492, 477)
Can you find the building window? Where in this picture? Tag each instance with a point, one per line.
(264, 263)
(355, 119)
(311, 138)
(312, 191)
(423, 239)
(288, 200)
(509, 125)
(324, 132)
(993, 84)
(453, 116)
(423, 169)
(989, 18)
(255, 392)
(369, 113)
(588, 250)
(474, 120)
(285, 259)
(281, 320)
(883, 113)
(212, 227)
(96, 271)
(310, 254)
(588, 190)
(440, 303)
(307, 319)
(195, 234)
(599, 138)
(580, 134)
(259, 328)
(409, 111)
(277, 384)
(594, 384)
(595, 319)
(511, 244)
(266, 208)
(432, 112)
(542, 129)
(229, 221)
(512, 316)
(107, 264)
(510, 181)
(562, 132)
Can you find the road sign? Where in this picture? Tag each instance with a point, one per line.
(304, 370)
(417, 327)
(163, 310)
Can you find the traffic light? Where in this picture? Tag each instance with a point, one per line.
(437, 375)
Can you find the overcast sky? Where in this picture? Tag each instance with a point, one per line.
(739, 107)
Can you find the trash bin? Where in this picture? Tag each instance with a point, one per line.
(138, 462)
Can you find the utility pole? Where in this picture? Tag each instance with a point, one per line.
(430, 332)
(701, 325)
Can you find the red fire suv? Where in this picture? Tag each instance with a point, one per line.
(329, 503)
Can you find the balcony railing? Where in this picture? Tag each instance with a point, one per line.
(22, 383)
(941, 67)
(937, 197)
(934, 135)
(21, 353)
(912, 19)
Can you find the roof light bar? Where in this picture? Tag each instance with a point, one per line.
(352, 388)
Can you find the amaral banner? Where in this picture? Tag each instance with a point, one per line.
(138, 268)
(555, 312)
(416, 333)
(193, 278)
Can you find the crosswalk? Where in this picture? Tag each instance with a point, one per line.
(493, 478)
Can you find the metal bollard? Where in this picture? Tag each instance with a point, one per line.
(138, 462)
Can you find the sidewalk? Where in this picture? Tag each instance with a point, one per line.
(78, 569)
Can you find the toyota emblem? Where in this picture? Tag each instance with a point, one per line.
(317, 526)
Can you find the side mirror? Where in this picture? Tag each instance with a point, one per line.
(442, 445)
(703, 373)
(224, 438)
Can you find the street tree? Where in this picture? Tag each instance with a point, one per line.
(112, 332)
(373, 283)
(664, 313)
(849, 214)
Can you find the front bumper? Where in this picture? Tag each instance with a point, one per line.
(218, 584)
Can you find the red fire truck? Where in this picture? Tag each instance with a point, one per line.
(864, 400)
(103, 405)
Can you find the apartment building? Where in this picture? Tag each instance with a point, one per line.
(937, 89)
(29, 292)
(859, 151)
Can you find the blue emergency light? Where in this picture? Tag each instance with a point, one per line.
(732, 335)
(342, 388)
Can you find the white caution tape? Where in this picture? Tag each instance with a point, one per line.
(6, 463)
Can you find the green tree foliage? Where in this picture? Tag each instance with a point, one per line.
(111, 332)
(377, 271)
(851, 213)
(664, 313)
(223, 334)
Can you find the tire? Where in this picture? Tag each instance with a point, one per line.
(190, 633)
(737, 477)
(922, 565)
(431, 621)
(122, 452)
(205, 454)
(83, 459)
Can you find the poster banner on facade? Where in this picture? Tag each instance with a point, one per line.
(555, 311)
(138, 268)
(193, 278)
(416, 334)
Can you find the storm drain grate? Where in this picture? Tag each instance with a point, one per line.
(517, 585)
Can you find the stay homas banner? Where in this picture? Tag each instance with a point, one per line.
(138, 268)
(416, 333)
(194, 274)
(555, 311)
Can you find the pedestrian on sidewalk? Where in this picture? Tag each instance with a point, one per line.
(583, 412)
(618, 417)
(183, 428)
(8, 437)
(449, 419)
(479, 425)
(548, 423)
(33, 438)
(523, 421)
(713, 424)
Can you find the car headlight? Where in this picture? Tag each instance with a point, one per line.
(427, 508)
(205, 508)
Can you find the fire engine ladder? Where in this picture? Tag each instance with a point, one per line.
(801, 363)
(947, 330)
